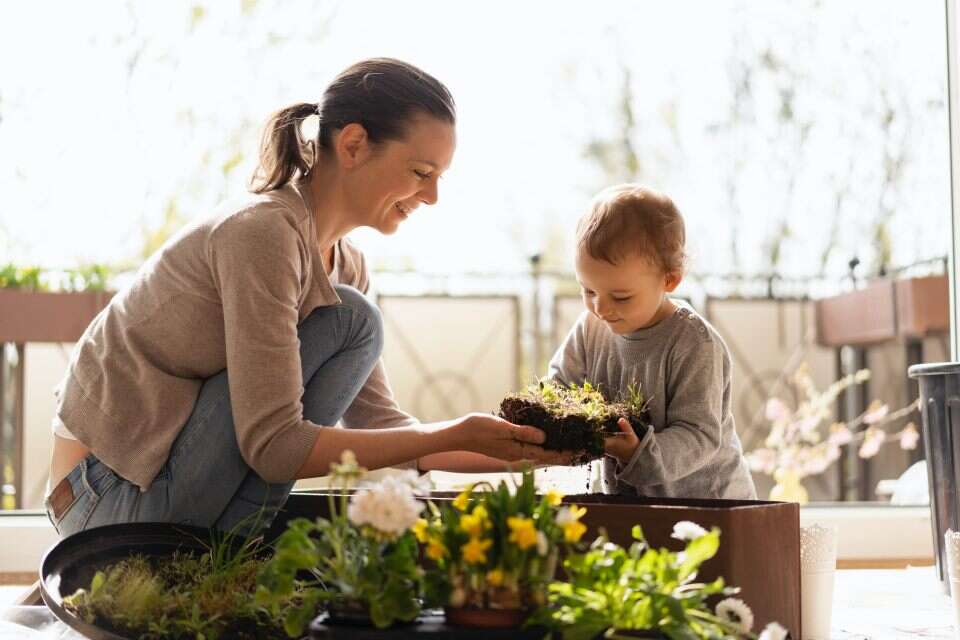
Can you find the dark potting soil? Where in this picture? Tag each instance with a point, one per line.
(570, 432)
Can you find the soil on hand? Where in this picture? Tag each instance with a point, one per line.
(575, 418)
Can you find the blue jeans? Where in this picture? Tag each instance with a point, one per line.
(205, 481)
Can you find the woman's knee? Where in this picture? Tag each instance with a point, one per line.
(364, 310)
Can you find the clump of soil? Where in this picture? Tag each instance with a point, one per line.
(575, 418)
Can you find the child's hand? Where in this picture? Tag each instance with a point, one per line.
(622, 445)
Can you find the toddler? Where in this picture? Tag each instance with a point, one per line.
(629, 258)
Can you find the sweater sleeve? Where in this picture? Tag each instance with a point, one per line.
(568, 364)
(257, 262)
(693, 432)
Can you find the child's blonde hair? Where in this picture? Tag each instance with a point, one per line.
(627, 220)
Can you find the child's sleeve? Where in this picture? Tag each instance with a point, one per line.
(696, 380)
(568, 365)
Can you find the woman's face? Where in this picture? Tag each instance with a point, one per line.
(395, 177)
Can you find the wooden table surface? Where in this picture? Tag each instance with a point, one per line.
(891, 603)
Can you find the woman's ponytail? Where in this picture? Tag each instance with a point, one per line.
(281, 156)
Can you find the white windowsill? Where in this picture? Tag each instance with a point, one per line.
(865, 533)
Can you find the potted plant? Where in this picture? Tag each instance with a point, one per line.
(493, 552)
(47, 308)
(640, 591)
(182, 595)
(797, 445)
(575, 417)
(360, 562)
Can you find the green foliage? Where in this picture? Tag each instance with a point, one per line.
(584, 400)
(14, 277)
(336, 562)
(612, 588)
(88, 277)
(209, 595)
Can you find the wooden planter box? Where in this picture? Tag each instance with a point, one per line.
(759, 543)
(883, 310)
(40, 316)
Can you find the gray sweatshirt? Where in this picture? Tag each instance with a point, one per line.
(684, 368)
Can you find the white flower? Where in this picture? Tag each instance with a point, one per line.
(773, 631)
(420, 484)
(388, 506)
(736, 611)
(686, 530)
(872, 441)
(565, 516)
(763, 460)
(909, 437)
(543, 545)
(839, 435)
(875, 412)
(776, 410)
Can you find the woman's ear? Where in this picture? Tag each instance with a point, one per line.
(352, 146)
(671, 281)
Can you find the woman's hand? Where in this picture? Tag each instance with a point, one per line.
(622, 445)
(495, 437)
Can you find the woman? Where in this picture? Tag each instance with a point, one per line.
(199, 394)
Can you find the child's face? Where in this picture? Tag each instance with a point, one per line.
(629, 295)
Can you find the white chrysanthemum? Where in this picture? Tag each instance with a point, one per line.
(388, 506)
(773, 631)
(686, 530)
(543, 545)
(421, 484)
(737, 612)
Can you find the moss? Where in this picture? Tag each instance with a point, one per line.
(208, 595)
(575, 417)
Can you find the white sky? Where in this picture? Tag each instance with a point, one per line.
(90, 151)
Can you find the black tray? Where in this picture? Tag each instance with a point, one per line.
(72, 562)
(430, 623)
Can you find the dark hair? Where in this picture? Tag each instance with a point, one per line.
(381, 94)
(629, 219)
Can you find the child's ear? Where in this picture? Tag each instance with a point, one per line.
(671, 281)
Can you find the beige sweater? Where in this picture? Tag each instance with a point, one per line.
(225, 292)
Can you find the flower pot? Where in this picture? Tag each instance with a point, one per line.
(349, 612)
(485, 618)
(940, 415)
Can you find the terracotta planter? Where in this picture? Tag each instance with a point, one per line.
(40, 316)
(883, 310)
(485, 618)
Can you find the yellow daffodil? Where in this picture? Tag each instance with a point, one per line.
(475, 551)
(573, 531)
(462, 501)
(476, 522)
(436, 550)
(554, 498)
(569, 520)
(495, 577)
(523, 533)
(420, 530)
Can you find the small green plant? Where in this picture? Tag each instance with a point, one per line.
(361, 560)
(208, 595)
(611, 589)
(88, 277)
(576, 417)
(14, 277)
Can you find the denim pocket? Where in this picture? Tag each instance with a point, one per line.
(89, 481)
